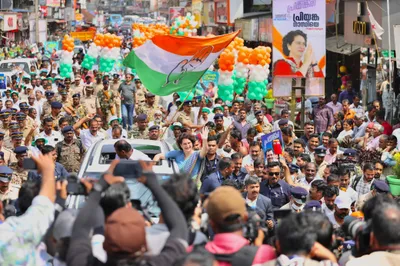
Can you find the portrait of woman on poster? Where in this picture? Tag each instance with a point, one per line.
(300, 59)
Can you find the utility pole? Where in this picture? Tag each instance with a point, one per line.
(37, 21)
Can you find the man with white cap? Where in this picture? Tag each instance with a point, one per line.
(114, 122)
(342, 209)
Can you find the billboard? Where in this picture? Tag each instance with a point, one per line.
(175, 12)
(299, 34)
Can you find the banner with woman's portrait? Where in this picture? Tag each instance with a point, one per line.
(299, 34)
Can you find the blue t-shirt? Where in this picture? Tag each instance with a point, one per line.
(179, 157)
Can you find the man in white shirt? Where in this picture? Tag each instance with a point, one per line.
(91, 135)
(284, 115)
(125, 151)
(342, 209)
(330, 194)
(356, 106)
(52, 136)
(254, 154)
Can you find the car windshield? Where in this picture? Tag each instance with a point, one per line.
(15, 66)
(108, 152)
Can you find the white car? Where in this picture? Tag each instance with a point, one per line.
(19, 64)
(99, 156)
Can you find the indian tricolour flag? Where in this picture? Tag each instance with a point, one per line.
(168, 64)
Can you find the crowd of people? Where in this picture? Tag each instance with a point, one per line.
(324, 200)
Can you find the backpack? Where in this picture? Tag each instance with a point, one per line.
(242, 257)
(356, 181)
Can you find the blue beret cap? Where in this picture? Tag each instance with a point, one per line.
(218, 116)
(283, 122)
(350, 152)
(20, 149)
(67, 129)
(5, 174)
(320, 151)
(49, 93)
(381, 186)
(299, 193)
(312, 204)
(141, 117)
(154, 127)
(56, 105)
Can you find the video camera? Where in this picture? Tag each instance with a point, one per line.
(360, 231)
(346, 164)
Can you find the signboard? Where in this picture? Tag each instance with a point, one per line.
(267, 140)
(385, 53)
(221, 12)
(209, 13)
(299, 36)
(49, 46)
(9, 22)
(3, 82)
(358, 30)
(175, 12)
(209, 76)
(197, 7)
(250, 29)
(53, 3)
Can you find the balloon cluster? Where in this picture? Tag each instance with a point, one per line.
(66, 56)
(225, 81)
(91, 56)
(142, 33)
(110, 50)
(259, 60)
(107, 40)
(242, 68)
(184, 26)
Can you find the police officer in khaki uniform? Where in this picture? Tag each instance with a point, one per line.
(105, 102)
(56, 113)
(140, 93)
(89, 100)
(12, 128)
(7, 153)
(70, 151)
(7, 191)
(77, 87)
(149, 108)
(186, 116)
(46, 108)
(20, 175)
(5, 117)
(27, 131)
(140, 130)
(114, 87)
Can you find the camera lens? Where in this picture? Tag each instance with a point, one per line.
(352, 225)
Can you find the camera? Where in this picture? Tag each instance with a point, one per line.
(75, 187)
(253, 224)
(360, 231)
(346, 164)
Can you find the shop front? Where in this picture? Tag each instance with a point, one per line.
(9, 27)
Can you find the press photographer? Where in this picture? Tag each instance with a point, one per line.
(384, 237)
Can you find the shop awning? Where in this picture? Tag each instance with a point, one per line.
(60, 21)
(340, 46)
(18, 10)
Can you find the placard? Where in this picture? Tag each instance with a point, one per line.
(267, 140)
(299, 36)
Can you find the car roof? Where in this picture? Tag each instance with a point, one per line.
(18, 60)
